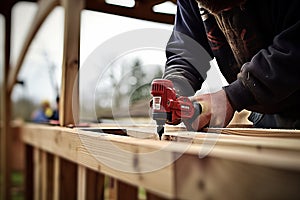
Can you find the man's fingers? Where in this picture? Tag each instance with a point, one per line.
(200, 122)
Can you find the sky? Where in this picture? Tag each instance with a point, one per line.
(96, 29)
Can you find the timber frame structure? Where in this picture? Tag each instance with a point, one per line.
(65, 163)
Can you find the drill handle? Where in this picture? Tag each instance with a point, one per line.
(197, 111)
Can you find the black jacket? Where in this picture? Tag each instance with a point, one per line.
(267, 79)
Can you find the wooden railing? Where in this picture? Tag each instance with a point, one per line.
(64, 163)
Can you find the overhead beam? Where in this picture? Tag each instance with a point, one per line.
(143, 9)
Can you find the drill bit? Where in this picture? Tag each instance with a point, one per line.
(160, 130)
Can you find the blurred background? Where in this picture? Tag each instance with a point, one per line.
(40, 76)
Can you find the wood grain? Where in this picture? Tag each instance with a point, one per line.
(247, 159)
(69, 101)
(105, 156)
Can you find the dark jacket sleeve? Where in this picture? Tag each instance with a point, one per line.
(188, 52)
(271, 80)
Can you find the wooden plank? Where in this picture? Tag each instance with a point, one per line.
(95, 185)
(259, 143)
(56, 179)
(29, 172)
(259, 132)
(81, 183)
(69, 101)
(95, 150)
(115, 156)
(126, 191)
(44, 180)
(211, 178)
(68, 180)
(37, 174)
(50, 177)
(44, 9)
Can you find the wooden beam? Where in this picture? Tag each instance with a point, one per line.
(211, 178)
(258, 132)
(142, 10)
(56, 174)
(6, 135)
(69, 101)
(84, 148)
(44, 9)
(278, 158)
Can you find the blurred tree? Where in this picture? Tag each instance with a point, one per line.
(136, 82)
(141, 89)
(23, 108)
(130, 83)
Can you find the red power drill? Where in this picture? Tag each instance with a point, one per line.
(168, 107)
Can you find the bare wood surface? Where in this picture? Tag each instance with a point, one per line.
(108, 155)
(37, 174)
(69, 101)
(56, 175)
(81, 183)
(210, 178)
(279, 162)
(260, 132)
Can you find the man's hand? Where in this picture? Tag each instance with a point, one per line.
(216, 110)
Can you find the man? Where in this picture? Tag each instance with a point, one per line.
(257, 46)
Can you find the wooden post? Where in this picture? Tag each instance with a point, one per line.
(37, 174)
(95, 185)
(68, 180)
(56, 174)
(81, 182)
(50, 177)
(28, 172)
(69, 103)
(6, 136)
(126, 191)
